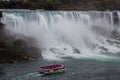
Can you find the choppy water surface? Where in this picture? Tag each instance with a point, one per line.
(77, 69)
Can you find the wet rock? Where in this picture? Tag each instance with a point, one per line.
(33, 52)
(114, 42)
(29, 44)
(65, 49)
(1, 24)
(100, 30)
(76, 51)
(1, 14)
(109, 41)
(57, 51)
(18, 51)
(103, 48)
(2, 44)
(115, 17)
(115, 34)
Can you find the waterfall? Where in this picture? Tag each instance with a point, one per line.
(67, 33)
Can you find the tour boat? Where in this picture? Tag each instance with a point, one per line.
(52, 69)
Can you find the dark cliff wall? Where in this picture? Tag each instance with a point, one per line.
(15, 50)
(0, 14)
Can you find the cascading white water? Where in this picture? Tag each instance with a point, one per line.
(66, 33)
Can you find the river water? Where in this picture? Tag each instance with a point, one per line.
(77, 69)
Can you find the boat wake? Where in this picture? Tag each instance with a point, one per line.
(27, 76)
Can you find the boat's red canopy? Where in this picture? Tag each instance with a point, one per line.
(56, 66)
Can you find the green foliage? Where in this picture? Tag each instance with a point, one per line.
(31, 4)
(107, 5)
(62, 4)
(52, 4)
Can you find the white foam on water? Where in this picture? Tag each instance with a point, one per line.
(27, 76)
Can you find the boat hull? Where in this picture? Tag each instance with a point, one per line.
(52, 71)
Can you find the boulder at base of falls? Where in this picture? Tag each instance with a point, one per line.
(56, 51)
(17, 51)
(115, 34)
(76, 51)
(103, 48)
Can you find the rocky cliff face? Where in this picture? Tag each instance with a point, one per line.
(0, 14)
(15, 50)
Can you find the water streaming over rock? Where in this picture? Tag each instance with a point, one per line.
(67, 33)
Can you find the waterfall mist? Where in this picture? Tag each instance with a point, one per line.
(67, 33)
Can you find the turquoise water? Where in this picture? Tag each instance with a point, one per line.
(77, 69)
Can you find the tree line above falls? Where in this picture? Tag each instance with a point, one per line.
(61, 4)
